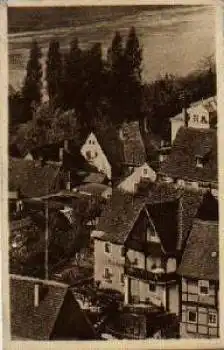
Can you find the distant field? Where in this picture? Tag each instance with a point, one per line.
(174, 38)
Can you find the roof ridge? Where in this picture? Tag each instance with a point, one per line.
(38, 280)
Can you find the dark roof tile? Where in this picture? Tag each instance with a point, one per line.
(189, 144)
(201, 255)
(32, 178)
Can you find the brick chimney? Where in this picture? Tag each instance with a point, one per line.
(61, 154)
(36, 295)
(66, 145)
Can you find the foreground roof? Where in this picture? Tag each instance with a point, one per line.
(49, 319)
(190, 144)
(32, 322)
(201, 255)
(32, 178)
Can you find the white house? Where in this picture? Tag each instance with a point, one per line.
(201, 115)
(95, 155)
(143, 172)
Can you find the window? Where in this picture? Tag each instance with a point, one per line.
(203, 287)
(122, 278)
(192, 316)
(203, 120)
(88, 155)
(90, 142)
(212, 319)
(195, 118)
(135, 261)
(199, 162)
(152, 287)
(107, 274)
(107, 248)
(145, 171)
(96, 154)
(122, 251)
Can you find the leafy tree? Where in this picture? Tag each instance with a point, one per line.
(54, 71)
(31, 90)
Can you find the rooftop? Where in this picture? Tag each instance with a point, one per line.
(190, 145)
(32, 178)
(199, 260)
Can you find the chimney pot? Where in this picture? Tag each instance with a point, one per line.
(66, 145)
(36, 295)
(61, 154)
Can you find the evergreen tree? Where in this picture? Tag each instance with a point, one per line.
(93, 82)
(54, 71)
(133, 56)
(132, 68)
(73, 76)
(117, 79)
(31, 90)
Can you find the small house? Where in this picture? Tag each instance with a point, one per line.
(199, 292)
(200, 115)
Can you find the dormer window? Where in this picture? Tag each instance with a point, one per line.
(199, 162)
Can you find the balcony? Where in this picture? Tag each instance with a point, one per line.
(157, 275)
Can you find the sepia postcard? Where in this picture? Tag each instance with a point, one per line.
(111, 174)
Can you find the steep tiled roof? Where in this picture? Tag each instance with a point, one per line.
(134, 149)
(31, 177)
(32, 322)
(108, 139)
(201, 255)
(188, 204)
(189, 144)
(167, 207)
(119, 216)
(49, 319)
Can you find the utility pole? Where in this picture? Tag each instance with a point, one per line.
(46, 240)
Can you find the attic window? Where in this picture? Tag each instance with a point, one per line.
(199, 162)
(214, 254)
(107, 248)
(203, 287)
(203, 120)
(195, 118)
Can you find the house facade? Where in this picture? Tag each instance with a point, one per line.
(199, 115)
(199, 271)
(136, 252)
(142, 173)
(193, 160)
(109, 263)
(94, 154)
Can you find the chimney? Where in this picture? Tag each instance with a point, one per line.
(36, 295)
(66, 145)
(145, 121)
(68, 183)
(185, 115)
(61, 154)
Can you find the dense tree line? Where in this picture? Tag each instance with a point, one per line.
(107, 89)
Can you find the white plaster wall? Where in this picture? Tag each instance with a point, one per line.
(100, 160)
